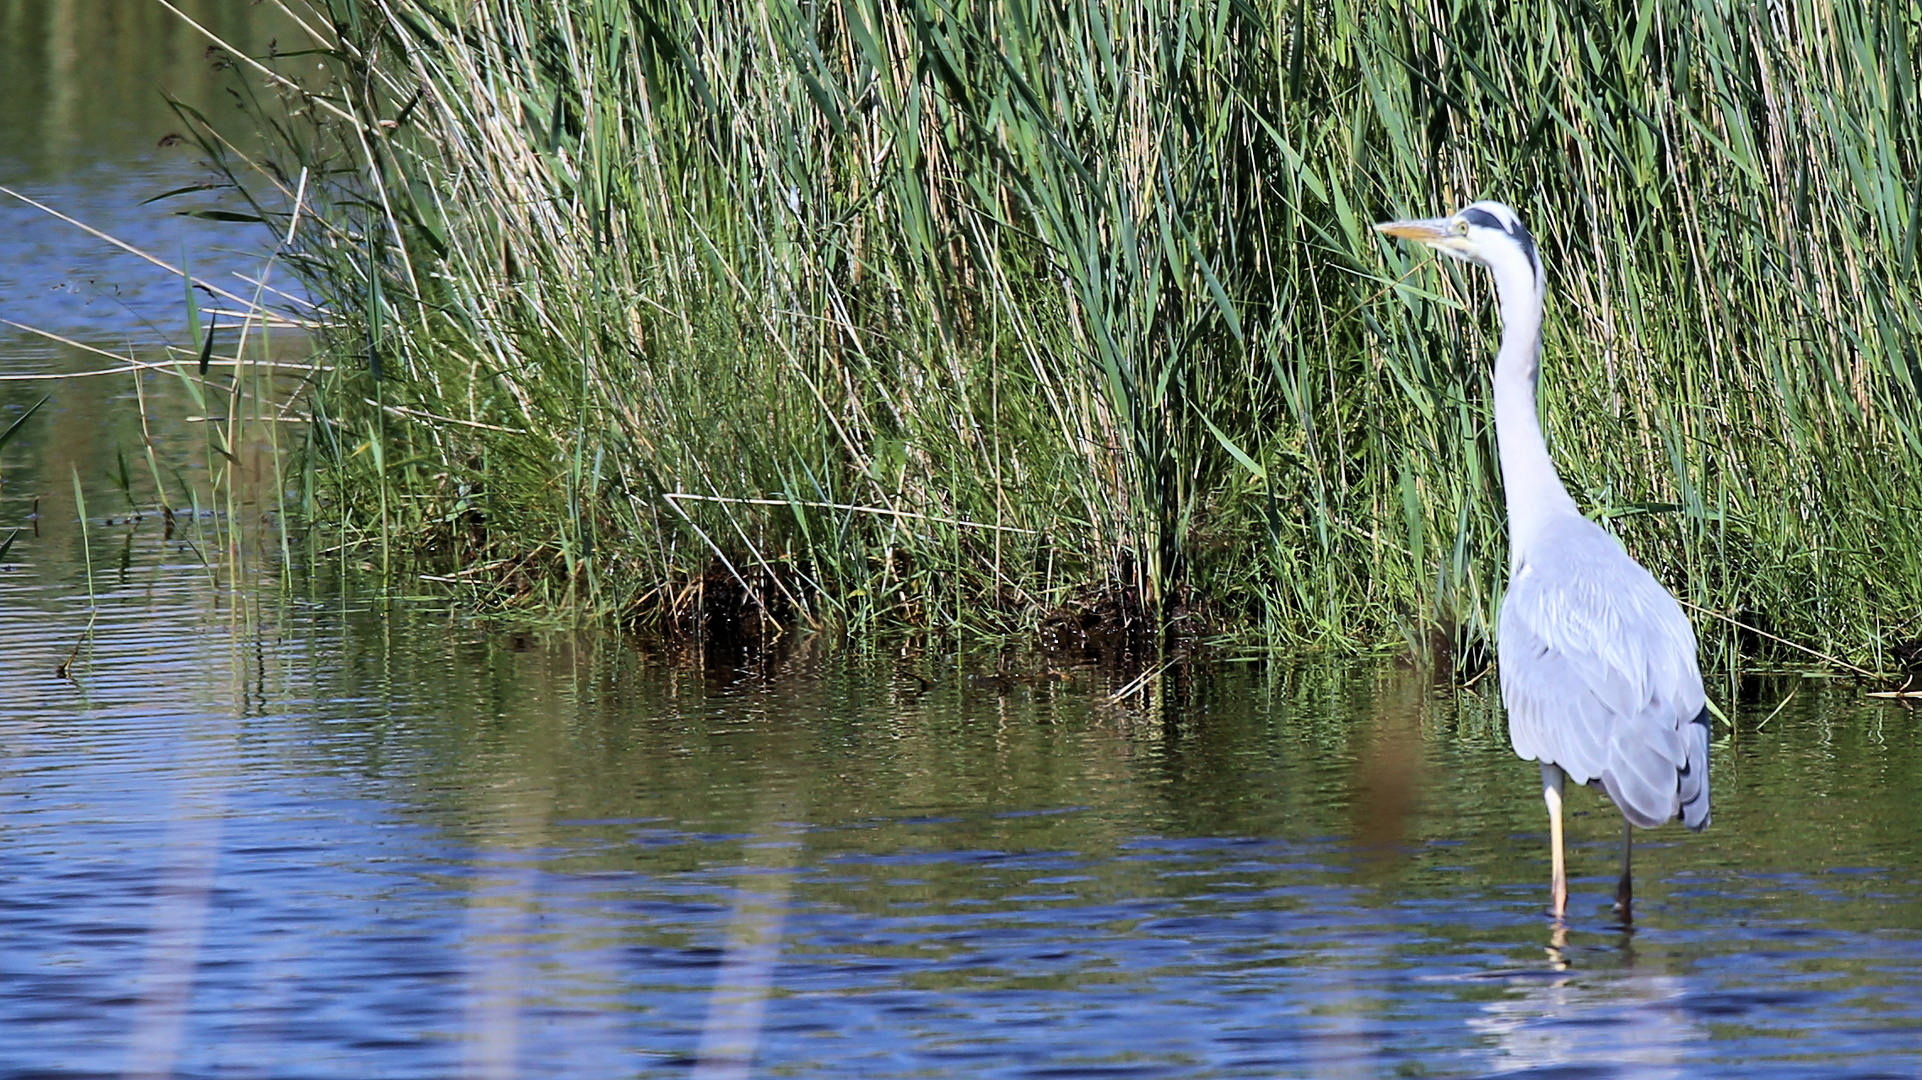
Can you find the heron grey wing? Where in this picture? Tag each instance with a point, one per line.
(1598, 670)
(1552, 715)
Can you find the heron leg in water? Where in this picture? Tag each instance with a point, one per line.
(1552, 778)
(1624, 891)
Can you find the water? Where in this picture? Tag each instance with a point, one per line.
(85, 129)
(302, 831)
(279, 824)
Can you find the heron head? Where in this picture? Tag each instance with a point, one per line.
(1486, 233)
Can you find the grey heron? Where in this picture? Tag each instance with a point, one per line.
(1597, 660)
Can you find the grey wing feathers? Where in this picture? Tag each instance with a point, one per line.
(1599, 675)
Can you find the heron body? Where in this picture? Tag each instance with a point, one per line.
(1597, 660)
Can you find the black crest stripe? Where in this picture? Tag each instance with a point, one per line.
(1475, 215)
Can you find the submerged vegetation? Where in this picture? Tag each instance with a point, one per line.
(989, 317)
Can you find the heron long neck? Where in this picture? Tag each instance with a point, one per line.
(1535, 493)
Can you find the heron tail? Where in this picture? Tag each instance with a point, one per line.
(1694, 774)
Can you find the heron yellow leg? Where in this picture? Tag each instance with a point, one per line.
(1624, 891)
(1552, 778)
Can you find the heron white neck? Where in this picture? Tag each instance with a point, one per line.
(1534, 492)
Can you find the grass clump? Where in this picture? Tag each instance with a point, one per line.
(970, 315)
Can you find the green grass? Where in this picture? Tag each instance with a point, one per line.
(1098, 282)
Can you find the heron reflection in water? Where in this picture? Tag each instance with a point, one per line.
(1597, 660)
(1612, 1017)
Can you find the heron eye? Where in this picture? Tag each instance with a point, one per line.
(1461, 228)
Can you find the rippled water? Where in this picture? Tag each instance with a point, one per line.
(301, 832)
(276, 825)
(86, 130)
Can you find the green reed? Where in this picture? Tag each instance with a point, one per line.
(961, 315)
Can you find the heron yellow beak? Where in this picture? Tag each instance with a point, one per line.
(1427, 230)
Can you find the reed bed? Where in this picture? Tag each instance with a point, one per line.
(991, 317)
